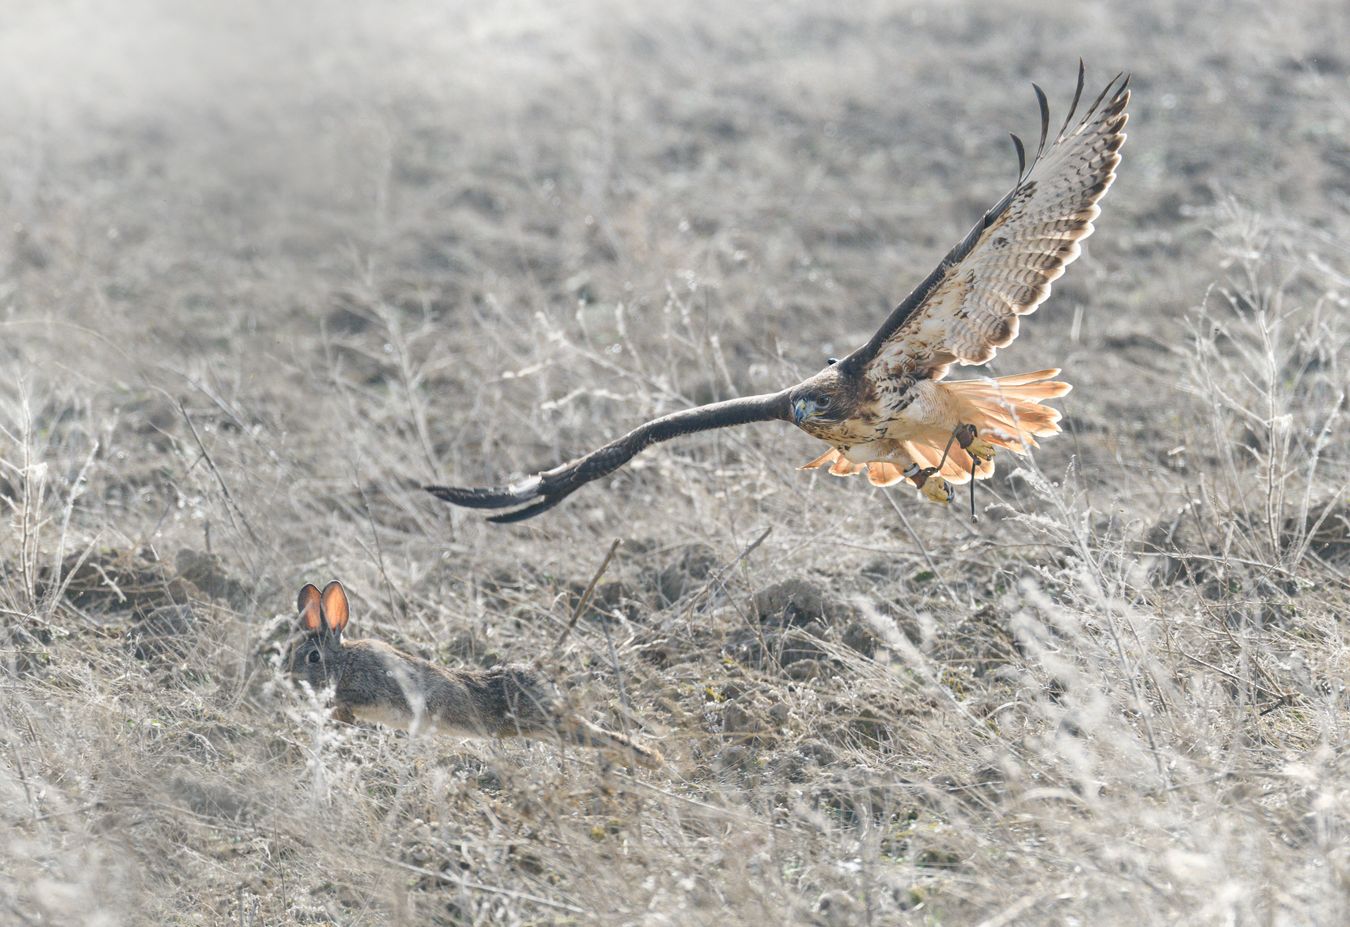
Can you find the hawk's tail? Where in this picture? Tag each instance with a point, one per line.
(1006, 412)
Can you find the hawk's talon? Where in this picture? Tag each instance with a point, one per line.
(981, 449)
(936, 489)
(926, 480)
(968, 438)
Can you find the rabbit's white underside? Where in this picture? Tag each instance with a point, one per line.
(384, 715)
(414, 723)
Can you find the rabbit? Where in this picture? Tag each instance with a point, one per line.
(375, 682)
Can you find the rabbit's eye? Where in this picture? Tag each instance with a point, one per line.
(313, 657)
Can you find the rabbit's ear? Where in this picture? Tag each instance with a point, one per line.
(307, 603)
(335, 607)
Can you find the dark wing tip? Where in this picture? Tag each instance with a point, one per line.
(529, 511)
(531, 494)
(1044, 104)
(1021, 156)
(1106, 92)
(1077, 95)
(1119, 96)
(1116, 92)
(486, 498)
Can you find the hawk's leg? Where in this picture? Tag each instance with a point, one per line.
(963, 435)
(926, 480)
(936, 490)
(939, 490)
(968, 436)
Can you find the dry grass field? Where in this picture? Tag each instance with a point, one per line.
(266, 269)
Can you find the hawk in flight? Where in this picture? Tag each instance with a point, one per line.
(886, 409)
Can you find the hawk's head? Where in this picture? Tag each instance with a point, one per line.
(835, 405)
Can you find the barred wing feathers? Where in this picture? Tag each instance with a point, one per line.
(969, 306)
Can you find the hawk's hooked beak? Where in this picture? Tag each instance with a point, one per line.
(801, 410)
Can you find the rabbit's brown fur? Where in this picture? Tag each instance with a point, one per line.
(372, 681)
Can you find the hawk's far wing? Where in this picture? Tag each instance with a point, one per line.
(968, 307)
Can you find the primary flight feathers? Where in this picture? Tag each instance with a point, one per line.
(882, 409)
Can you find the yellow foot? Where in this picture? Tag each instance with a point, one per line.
(933, 487)
(968, 436)
(936, 489)
(981, 449)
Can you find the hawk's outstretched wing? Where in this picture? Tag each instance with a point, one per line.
(543, 491)
(968, 307)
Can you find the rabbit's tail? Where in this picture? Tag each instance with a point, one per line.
(583, 732)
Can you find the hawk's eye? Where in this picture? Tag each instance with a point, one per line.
(313, 657)
(822, 401)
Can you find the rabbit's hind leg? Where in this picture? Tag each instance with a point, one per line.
(583, 732)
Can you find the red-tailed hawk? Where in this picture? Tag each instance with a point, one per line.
(885, 409)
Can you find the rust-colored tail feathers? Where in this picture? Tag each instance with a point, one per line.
(1006, 412)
